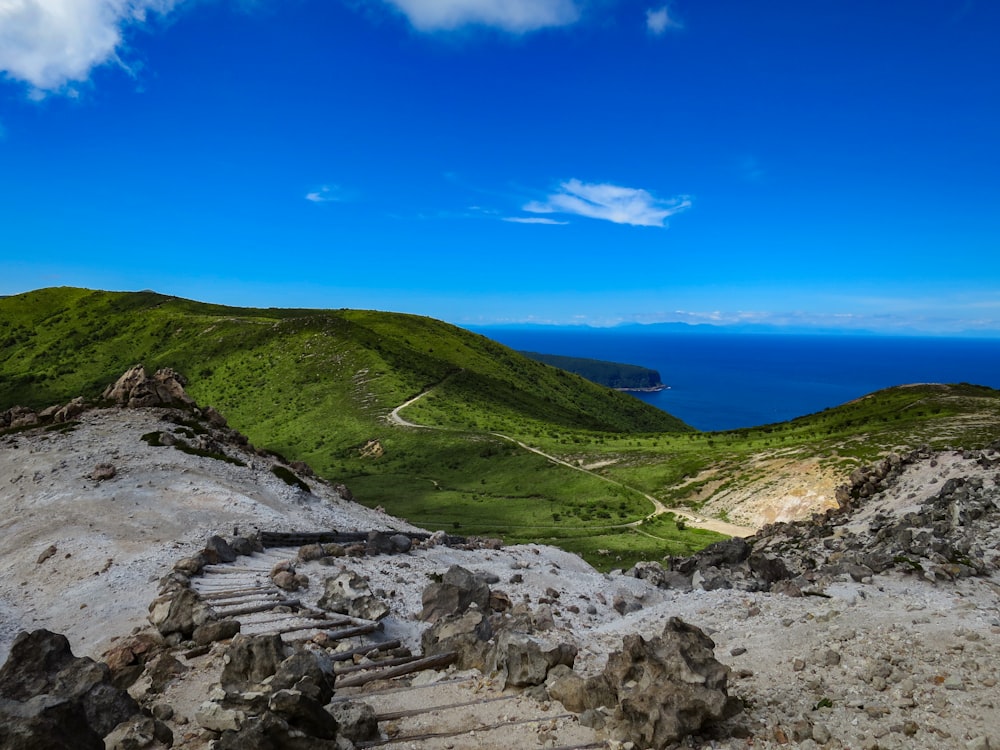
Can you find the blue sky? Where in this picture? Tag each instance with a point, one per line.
(828, 163)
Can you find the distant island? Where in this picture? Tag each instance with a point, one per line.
(615, 375)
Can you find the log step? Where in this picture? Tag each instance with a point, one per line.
(417, 665)
(258, 608)
(352, 652)
(227, 593)
(477, 729)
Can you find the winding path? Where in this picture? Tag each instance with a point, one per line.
(692, 519)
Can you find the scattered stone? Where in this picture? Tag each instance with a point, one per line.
(103, 472)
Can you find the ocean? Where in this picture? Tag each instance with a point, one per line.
(722, 381)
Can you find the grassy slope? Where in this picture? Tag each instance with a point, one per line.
(317, 385)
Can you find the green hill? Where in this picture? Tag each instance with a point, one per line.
(58, 342)
(610, 374)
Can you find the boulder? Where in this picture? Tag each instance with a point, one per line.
(140, 733)
(42, 666)
(525, 661)
(219, 550)
(458, 589)
(159, 672)
(250, 660)
(270, 731)
(660, 577)
(309, 552)
(668, 687)
(217, 630)
(136, 388)
(135, 649)
(217, 718)
(191, 566)
(46, 721)
(349, 594)
(768, 569)
(213, 417)
(179, 612)
(467, 634)
(308, 672)
(73, 409)
(401, 542)
(356, 720)
(579, 694)
(103, 472)
(244, 546)
(303, 713)
(18, 416)
(379, 543)
(286, 580)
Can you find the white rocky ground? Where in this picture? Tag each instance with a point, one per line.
(896, 663)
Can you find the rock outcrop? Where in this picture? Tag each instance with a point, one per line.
(137, 388)
(653, 692)
(50, 698)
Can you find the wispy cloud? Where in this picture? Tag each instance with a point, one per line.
(326, 194)
(50, 44)
(533, 220)
(658, 20)
(516, 16)
(751, 169)
(620, 205)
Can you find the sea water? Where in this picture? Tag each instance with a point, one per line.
(720, 381)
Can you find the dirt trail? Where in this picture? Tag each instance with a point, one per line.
(659, 509)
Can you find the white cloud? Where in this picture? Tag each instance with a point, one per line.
(659, 20)
(751, 170)
(621, 205)
(326, 194)
(533, 220)
(50, 44)
(510, 15)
